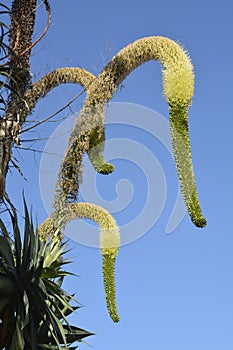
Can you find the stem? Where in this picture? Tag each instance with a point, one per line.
(53, 79)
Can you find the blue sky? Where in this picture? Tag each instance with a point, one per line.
(174, 291)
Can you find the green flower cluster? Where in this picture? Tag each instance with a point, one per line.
(178, 84)
(109, 241)
(88, 136)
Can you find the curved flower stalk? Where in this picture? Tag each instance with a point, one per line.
(178, 85)
(42, 87)
(87, 136)
(109, 242)
(10, 129)
(53, 79)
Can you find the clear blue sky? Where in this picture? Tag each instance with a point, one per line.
(174, 291)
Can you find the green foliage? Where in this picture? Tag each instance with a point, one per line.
(33, 306)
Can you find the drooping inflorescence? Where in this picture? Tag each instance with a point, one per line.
(109, 242)
(178, 84)
(10, 129)
(88, 136)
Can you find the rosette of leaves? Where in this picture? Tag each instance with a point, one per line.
(33, 306)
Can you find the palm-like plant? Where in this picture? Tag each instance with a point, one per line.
(33, 305)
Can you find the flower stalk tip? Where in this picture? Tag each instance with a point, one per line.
(109, 242)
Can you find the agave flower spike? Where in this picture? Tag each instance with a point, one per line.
(10, 128)
(53, 79)
(109, 242)
(178, 87)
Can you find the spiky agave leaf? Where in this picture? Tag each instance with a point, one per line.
(33, 306)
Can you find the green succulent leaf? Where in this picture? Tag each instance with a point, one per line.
(5, 251)
(4, 301)
(33, 306)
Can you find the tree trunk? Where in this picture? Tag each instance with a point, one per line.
(23, 14)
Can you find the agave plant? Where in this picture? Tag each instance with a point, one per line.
(33, 306)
